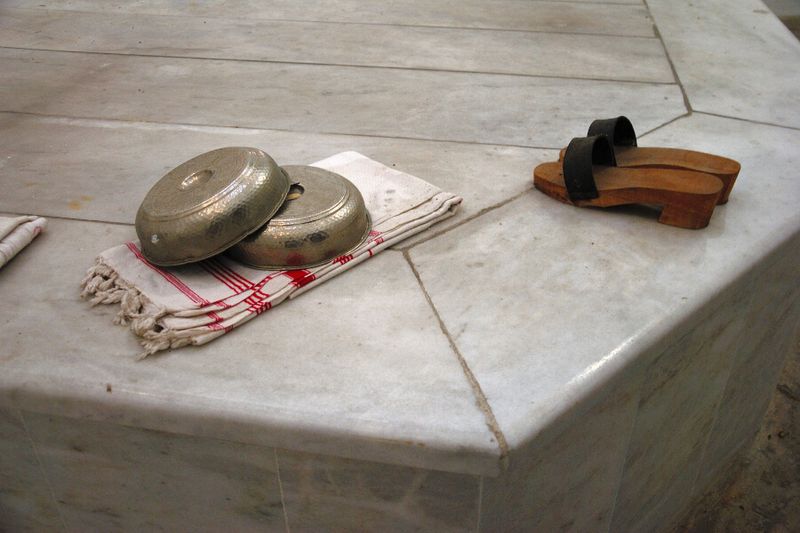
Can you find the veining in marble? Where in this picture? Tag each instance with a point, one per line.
(770, 335)
(114, 478)
(554, 273)
(734, 57)
(761, 209)
(484, 175)
(331, 494)
(570, 468)
(356, 366)
(26, 503)
(680, 397)
(417, 104)
(549, 305)
(571, 17)
(634, 58)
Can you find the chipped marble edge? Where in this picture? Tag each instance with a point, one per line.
(463, 453)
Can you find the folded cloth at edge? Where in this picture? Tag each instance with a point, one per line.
(16, 232)
(196, 303)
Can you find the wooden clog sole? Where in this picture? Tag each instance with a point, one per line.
(676, 158)
(687, 197)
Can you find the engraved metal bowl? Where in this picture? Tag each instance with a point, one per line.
(324, 217)
(208, 204)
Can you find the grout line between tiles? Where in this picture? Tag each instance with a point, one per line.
(73, 219)
(686, 95)
(480, 397)
(255, 129)
(41, 470)
(667, 123)
(280, 490)
(669, 59)
(342, 65)
(759, 122)
(394, 24)
(470, 218)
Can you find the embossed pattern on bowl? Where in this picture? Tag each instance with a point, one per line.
(324, 217)
(208, 204)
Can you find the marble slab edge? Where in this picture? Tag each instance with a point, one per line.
(712, 43)
(241, 423)
(656, 338)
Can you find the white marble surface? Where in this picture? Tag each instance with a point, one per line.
(113, 478)
(26, 502)
(90, 184)
(572, 17)
(384, 102)
(379, 382)
(734, 57)
(681, 394)
(456, 49)
(595, 286)
(770, 333)
(568, 480)
(330, 494)
(544, 308)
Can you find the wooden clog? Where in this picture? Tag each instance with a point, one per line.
(620, 132)
(589, 176)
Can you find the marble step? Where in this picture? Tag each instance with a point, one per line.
(485, 108)
(89, 163)
(734, 58)
(337, 370)
(628, 17)
(505, 52)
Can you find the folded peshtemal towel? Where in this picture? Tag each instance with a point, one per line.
(194, 304)
(15, 234)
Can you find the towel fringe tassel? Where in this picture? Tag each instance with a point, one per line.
(102, 285)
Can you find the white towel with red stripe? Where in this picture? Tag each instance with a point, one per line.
(196, 303)
(16, 232)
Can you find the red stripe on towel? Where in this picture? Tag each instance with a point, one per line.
(233, 275)
(300, 277)
(219, 277)
(173, 279)
(376, 237)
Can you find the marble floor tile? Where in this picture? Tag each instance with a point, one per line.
(679, 400)
(329, 494)
(734, 57)
(762, 204)
(26, 502)
(97, 160)
(618, 279)
(114, 478)
(574, 17)
(590, 56)
(454, 106)
(572, 289)
(379, 381)
(574, 465)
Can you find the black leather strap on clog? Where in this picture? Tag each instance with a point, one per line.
(581, 154)
(618, 130)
